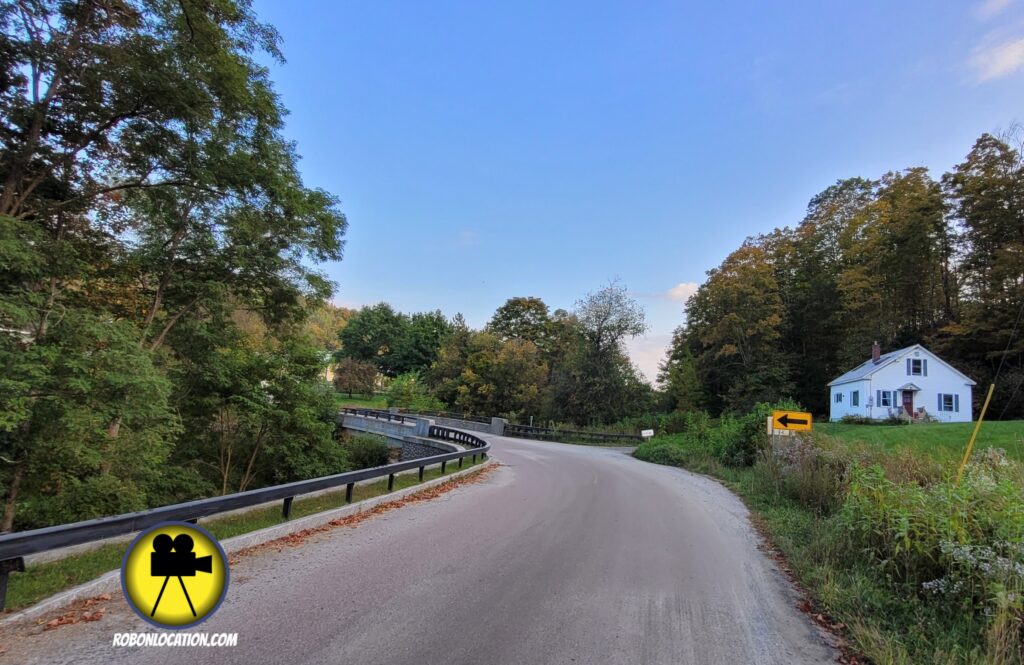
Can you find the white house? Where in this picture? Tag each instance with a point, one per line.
(912, 381)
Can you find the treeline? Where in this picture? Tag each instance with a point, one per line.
(527, 362)
(160, 337)
(903, 259)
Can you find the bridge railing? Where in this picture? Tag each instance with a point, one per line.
(453, 415)
(380, 414)
(15, 546)
(547, 434)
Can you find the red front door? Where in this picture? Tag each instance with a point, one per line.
(908, 402)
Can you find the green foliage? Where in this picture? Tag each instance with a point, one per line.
(678, 375)
(408, 391)
(594, 381)
(662, 453)
(156, 253)
(483, 374)
(394, 342)
(525, 319)
(367, 450)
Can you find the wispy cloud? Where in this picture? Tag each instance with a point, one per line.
(991, 8)
(840, 94)
(468, 238)
(992, 62)
(682, 291)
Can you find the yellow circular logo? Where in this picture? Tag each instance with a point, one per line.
(174, 575)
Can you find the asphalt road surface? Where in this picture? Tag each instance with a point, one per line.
(566, 554)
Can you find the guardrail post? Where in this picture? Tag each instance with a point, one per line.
(391, 481)
(16, 565)
(442, 466)
(460, 462)
(348, 492)
(421, 474)
(474, 458)
(286, 509)
(483, 457)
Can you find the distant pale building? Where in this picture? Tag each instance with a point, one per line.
(911, 382)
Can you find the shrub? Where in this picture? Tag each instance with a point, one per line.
(864, 420)
(367, 450)
(677, 421)
(408, 391)
(743, 443)
(661, 453)
(807, 473)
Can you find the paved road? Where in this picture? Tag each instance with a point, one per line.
(567, 554)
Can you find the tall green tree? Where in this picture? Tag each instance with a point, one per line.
(986, 197)
(374, 334)
(735, 321)
(141, 153)
(677, 375)
(523, 318)
(597, 383)
(419, 345)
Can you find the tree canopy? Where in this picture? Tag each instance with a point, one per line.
(903, 259)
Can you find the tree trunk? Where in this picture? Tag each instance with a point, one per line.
(10, 500)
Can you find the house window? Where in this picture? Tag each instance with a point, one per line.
(855, 398)
(839, 398)
(949, 402)
(885, 397)
(917, 367)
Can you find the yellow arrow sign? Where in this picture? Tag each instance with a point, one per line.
(794, 421)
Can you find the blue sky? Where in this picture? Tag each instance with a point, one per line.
(486, 150)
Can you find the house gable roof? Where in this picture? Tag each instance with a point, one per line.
(869, 367)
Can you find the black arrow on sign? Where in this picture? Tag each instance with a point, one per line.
(785, 420)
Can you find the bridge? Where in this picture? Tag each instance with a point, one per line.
(562, 554)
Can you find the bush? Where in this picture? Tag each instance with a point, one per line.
(663, 452)
(407, 391)
(676, 422)
(367, 450)
(812, 476)
(743, 443)
(864, 420)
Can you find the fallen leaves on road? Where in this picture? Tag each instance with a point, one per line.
(848, 656)
(300, 537)
(92, 609)
(86, 610)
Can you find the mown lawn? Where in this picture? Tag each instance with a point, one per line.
(362, 401)
(941, 441)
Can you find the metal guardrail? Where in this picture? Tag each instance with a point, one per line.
(453, 415)
(15, 546)
(545, 433)
(379, 414)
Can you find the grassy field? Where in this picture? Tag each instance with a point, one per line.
(941, 441)
(362, 401)
(42, 580)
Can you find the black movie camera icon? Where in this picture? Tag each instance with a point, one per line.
(181, 562)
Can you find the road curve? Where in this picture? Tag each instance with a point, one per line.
(567, 554)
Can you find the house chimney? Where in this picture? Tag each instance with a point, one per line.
(876, 352)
